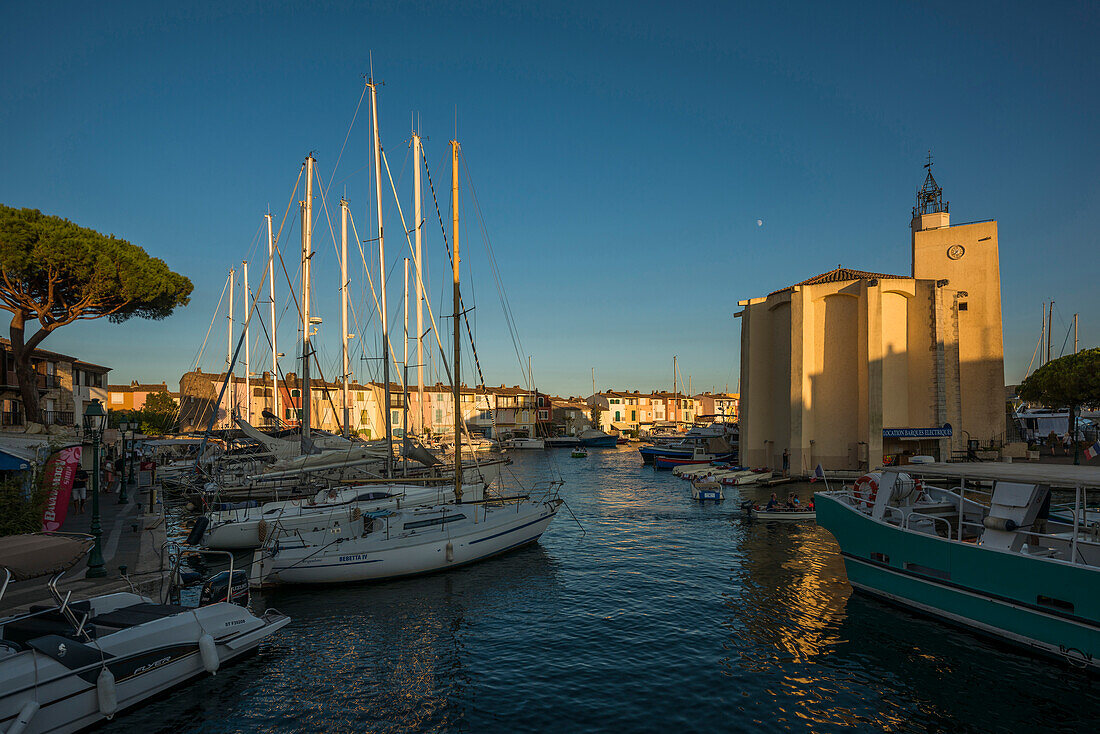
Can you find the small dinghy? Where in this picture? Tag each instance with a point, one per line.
(580, 453)
(703, 491)
(782, 514)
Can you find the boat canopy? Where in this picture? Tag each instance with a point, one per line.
(1052, 475)
(39, 554)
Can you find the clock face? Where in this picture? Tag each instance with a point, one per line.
(955, 252)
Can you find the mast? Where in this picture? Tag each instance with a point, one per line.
(307, 257)
(457, 315)
(1075, 333)
(675, 391)
(405, 379)
(271, 292)
(247, 362)
(1050, 332)
(417, 151)
(1043, 338)
(231, 402)
(344, 307)
(382, 277)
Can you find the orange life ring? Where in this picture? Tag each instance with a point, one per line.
(869, 500)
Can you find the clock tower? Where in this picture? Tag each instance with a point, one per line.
(964, 261)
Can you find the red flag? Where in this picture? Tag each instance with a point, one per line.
(58, 475)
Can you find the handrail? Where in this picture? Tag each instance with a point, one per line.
(934, 518)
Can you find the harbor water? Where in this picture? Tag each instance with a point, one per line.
(660, 615)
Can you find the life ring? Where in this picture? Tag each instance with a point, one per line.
(868, 499)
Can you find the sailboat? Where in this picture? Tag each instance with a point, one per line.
(391, 543)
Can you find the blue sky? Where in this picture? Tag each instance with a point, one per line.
(622, 153)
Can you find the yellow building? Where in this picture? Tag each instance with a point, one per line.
(848, 367)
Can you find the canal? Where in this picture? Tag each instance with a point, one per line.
(660, 615)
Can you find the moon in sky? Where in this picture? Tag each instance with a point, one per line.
(759, 222)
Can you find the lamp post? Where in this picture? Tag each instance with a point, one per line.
(95, 419)
(122, 497)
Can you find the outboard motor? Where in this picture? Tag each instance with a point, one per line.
(217, 586)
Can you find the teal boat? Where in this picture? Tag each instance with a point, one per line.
(997, 562)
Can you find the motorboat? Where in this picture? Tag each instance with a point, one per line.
(786, 515)
(525, 443)
(68, 665)
(689, 447)
(991, 561)
(595, 438)
(240, 528)
(406, 542)
(555, 442)
(703, 491)
(580, 452)
(699, 455)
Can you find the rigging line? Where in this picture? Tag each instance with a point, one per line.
(509, 316)
(431, 315)
(346, 136)
(447, 246)
(1065, 341)
(198, 357)
(370, 281)
(1038, 344)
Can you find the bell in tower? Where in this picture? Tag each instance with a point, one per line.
(931, 211)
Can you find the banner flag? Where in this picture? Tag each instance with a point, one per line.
(57, 476)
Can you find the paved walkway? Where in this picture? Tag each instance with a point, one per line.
(131, 537)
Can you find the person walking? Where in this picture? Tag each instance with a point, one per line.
(80, 490)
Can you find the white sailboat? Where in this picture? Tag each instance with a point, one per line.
(401, 542)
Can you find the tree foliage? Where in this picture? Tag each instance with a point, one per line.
(55, 272)
(1072, 381)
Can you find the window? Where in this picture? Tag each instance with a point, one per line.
(617, 417)
(633, 415)
(286, 413)
(962, 305)
(395, 417)
(116, 398)
(438, 415)
(544, 415)
(295, 393)
(434, 521)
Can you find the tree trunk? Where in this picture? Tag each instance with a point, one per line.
(25, 375)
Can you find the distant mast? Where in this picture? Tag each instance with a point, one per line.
(231, 404)
(247, 358)
(382, 276)
(417, 152)
(307, 256)
(271, 294)
(457, 315)
(344, 307)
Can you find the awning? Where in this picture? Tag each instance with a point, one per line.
(38, 554)
(622, 426)
(11, 462)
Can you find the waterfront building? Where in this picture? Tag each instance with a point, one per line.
(570, 416)
(719, 406)
(848, 368)
(65, 386)
(636, 411)
(134, 395)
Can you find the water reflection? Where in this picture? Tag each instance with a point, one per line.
(660, 614)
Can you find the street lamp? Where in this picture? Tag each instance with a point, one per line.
(122, 497)
(95, 420)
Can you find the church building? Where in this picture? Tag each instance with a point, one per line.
(848, 367)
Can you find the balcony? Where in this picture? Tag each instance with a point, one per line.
(57, 417)
(48, 382)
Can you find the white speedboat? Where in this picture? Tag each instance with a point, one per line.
(247, 527)
(72, 664)
(703, 491)
(405, 542)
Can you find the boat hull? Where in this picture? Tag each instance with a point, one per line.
(353, 564)
(600, 442)
(1047, 606)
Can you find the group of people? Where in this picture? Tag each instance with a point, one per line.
(792, 503)
(111, 470)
